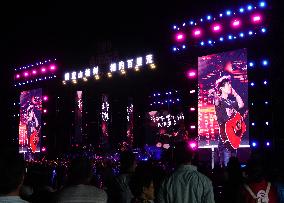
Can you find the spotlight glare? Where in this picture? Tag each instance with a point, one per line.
(251, 64)
(221, 39)
(252, 84)
(264, 62)
(263, 30)
(249, 7)
(254, 144)
(267, 144)
(262, 4)
(228, 12)
(241, 10)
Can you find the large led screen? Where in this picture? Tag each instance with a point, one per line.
(223, 99)
(30, 121)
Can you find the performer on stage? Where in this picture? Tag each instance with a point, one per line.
(32, 128)
(227, 108)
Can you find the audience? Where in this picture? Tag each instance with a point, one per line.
(186, 184)
(12, 172)
(78, 189)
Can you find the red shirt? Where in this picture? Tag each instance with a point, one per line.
(257, 189)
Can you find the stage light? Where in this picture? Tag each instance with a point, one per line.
(209, 17)
(268, 144)
(263, 30)
(192, 127)
(209, 42)
(74, 81)
(18, 76)
(251, 64)
(26, 74)
(43, 149)
(265, 82)
(192, 145)
(256, 18)
(221, 39)
(262, 4)
(264, 62)
(228, 12)
(97, 77)
(178, 100)
(174, 48)
(180, 37)
(197, 32)
(254, 144)
(220, 15)
(241, 34)
(85, 79)
(202, 43)
(250, 32)
(236, 23)
(267, 123)
(252, 84)
(191, 74)
(64, 82)
(45, 98)
(266, 102)
(192, 109)
(183, 24)
(191, 22)
(201, 20)
(183, 46)
(216, 28)
(192, 91)
(34, 72)
(230, 37)
(249, 7)
(241, 10)
(174, 27)
(253, 124)
(44, 111)
(52, 67)
(43, 70)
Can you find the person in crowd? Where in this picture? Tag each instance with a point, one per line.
(79, 188)
(142, 184)
(234, 182)
(12, 172)
(257, 188)
(119, 190)
(186, 184)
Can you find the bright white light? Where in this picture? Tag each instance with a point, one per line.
(74, 75)
(230, 37)
(87, 72)
(139, 61)
(241, 34)
(263, 30)
(228, 12)
(220, 15)
(249, 7)
(130, 63)
(264, 62)
(113, 67)
(266, 123)
(67, 76)
(251, 64)
(201, 43)
(120, 65)
(241, 10)
(252, 84)
(80, 74)
(208, 17)
(250, 32)
(265, 82)
(149, 59)
(262, 4)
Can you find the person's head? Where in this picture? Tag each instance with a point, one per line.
(81, 171)
(142, 183)
(224, 85)
(12, 170)
(127, 161)
(183, 153)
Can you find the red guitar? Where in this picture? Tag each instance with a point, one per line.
(34, 139)
(233, 130)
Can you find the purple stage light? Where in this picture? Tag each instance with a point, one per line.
(216, 27)
(43, 70)
(26, 74)
(236, 23)
(192, 145)
(52, 67)
(18, 76)
(45, 98)
(191, 74)
(197, 32)
(43, 149)
(256, 18)
(180, 37)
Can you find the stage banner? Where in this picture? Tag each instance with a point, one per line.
(105, 122)
(223, 99)
(78, 136)
(30, 121)
(130, 123)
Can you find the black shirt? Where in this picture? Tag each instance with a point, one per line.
(225, 109)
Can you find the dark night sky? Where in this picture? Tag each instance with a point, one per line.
(71, 30)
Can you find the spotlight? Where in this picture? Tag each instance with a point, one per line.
(174, 27)
(180, 37)
(256, 18)
(264, 62)
(251, 64)
(263, 30)
(174, 49)
(18, 76)
(221, 39)
(250, 32)
(183, 46)
(220, 15)
(228, 12)
(197, 32)
(43, 70)
(236, 23)
(26, 74)
(254, 144)
(191, 74)
(191, 22)
(249, 7)
(252, 84)
(208, 17)
(230, 37)
(202, 43)
(241, 34)
(253, 124)
(52, 67)
(192, 145)
(265, 82)
(266, 102)
(45, 98)
(216, 28)
(262, 4)
(241, 10)
(267, 143)
(44, 111)
(267, 123)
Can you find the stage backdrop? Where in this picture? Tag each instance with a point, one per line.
(30, 121)
(211, 69)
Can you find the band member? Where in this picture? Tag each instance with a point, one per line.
(32, 126)
(226, 106)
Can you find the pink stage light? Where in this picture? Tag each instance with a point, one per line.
(236, 23)
(45, 98)
(44, 111)
(197, 32)
(180, 37)
(43, 70)
(192, 145)
(18, 76)
(256, 18)
(216, 28)
(43, 149)
(192, 109)
(191, 74)
(52, 67)
(34, 72)
(26, 74)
